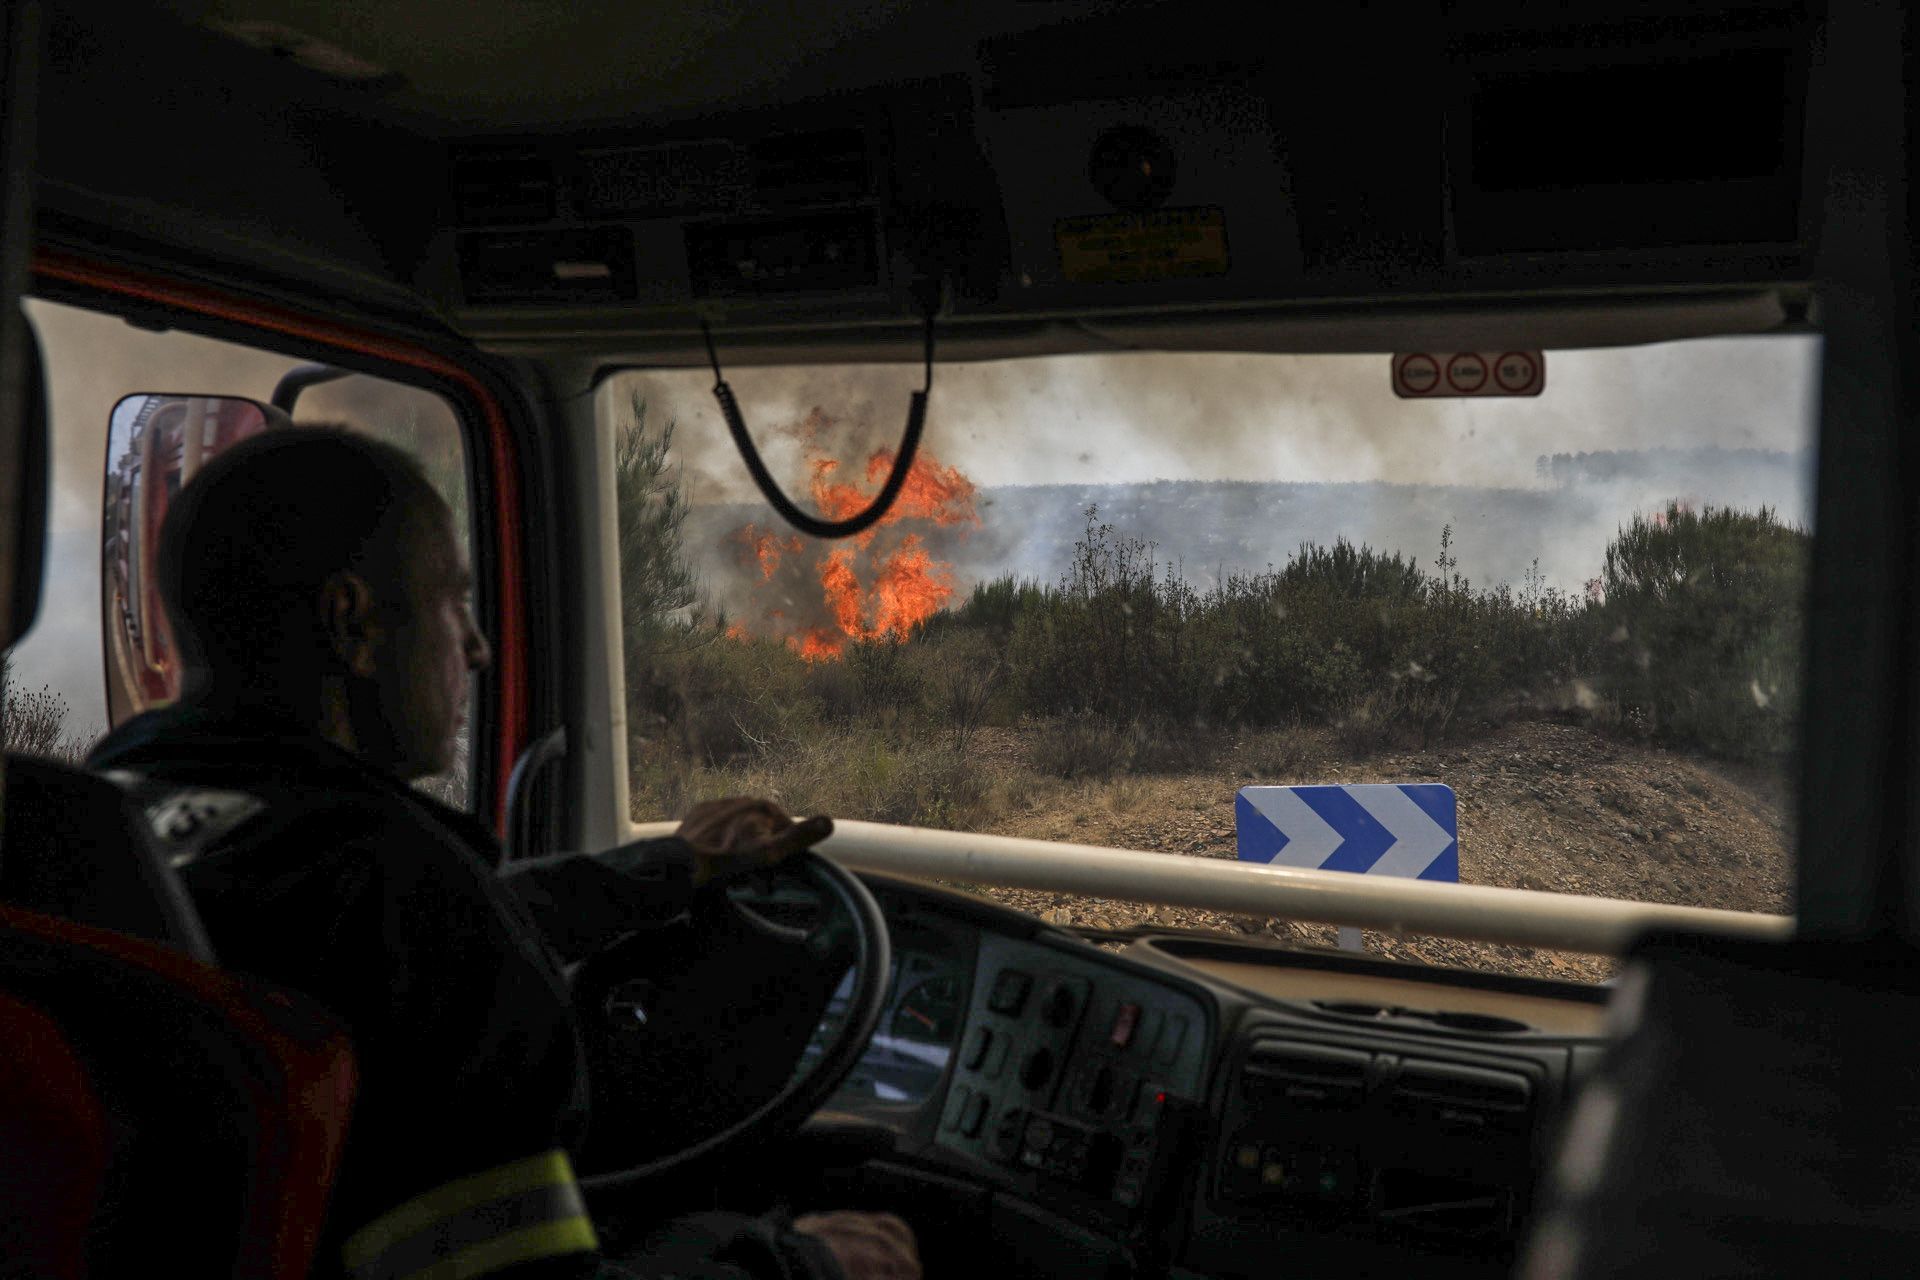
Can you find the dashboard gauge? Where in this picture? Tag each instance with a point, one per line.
(930, 1012)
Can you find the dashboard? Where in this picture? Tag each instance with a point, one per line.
(1194, 1104)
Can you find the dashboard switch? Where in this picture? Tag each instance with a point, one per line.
(978, 1048)
(1037, 1069)
(1147, 1033)
(1060, 1007)
(1171, 1041)
(956, 1107)
(996, 1058)
(1004, 1142)
(974, 1116)
(1125, 1021)
(1009, 994)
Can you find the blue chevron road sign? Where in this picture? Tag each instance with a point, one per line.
(1376, 829)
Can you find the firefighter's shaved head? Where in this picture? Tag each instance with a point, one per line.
(314, 572)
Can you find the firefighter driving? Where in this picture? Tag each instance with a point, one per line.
(327, 649)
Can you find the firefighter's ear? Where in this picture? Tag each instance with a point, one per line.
(351, 623)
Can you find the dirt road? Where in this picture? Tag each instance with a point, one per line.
(1543, 805)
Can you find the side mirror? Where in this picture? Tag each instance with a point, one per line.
(155, 444)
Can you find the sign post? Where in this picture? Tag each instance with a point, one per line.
(1377, 829)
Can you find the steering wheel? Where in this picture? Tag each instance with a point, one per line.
(805, 1092)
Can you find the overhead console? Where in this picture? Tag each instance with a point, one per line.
(1081, 179)
(844, 208)
(1141, 163)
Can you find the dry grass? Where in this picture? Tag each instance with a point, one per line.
(1542, 806)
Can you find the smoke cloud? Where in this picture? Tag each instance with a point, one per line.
(1324, 446)
(1229, 462)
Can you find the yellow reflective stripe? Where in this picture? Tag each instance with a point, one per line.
(427, 1211)
(573, 1235)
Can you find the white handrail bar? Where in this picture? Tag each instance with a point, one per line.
(1522, 917)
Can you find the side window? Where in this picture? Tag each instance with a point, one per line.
(133, 414)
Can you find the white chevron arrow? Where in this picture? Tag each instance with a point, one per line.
(1417, 838)
(1310, 841)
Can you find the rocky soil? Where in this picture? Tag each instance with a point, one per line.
(1543, 805)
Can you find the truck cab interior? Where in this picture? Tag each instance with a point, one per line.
(504, 217)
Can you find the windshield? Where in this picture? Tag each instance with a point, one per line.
(1134, 599)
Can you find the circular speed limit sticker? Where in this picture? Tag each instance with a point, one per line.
(1419, 375)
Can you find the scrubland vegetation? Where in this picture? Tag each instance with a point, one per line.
(1688, 638)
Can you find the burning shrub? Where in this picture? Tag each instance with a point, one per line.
(881, 586)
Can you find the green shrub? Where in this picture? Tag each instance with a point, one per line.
(1081, 746)
(1705, 611)
(1280, 756)
(1172, 747)
(719, 699)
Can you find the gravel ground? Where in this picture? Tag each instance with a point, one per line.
(1543, 805)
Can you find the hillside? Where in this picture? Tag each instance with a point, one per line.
(1543, 805)
(1210, 527)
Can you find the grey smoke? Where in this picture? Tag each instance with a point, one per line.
(1318, 448)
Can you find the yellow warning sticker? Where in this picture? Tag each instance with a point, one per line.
(1129, 248)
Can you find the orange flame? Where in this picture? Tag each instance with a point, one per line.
(768, 547)
(910, 589)
(818, 644)
(842, 588)
(870, 593)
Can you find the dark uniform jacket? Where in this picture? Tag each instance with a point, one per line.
(316, 872)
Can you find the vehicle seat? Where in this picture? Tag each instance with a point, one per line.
(1755, 1115)
(222, 1101)
(72, 850)
(227, 1100)
(53, 1148)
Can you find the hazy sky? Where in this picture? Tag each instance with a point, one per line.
(1076, 419)
(1148, 416)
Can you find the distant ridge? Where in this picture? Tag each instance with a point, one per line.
(1211, 527)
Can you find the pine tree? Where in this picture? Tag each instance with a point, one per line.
(659, 592)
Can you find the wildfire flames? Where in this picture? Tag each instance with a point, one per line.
(877, 586)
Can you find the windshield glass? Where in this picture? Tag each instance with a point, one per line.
(1118, 591)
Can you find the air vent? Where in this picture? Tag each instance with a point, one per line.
(491, 187)
(1460, 1097)
(1314, 1075)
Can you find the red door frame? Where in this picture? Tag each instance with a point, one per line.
(510, 640)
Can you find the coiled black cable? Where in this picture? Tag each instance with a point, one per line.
(812, 525)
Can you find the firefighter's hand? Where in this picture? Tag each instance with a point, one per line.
(868, 1246)
(734, 836)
